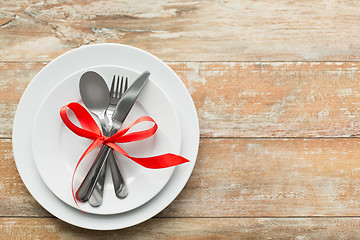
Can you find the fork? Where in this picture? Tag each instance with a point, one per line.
(121, 190)
(118, 181)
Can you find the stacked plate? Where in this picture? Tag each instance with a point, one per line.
(46, 151)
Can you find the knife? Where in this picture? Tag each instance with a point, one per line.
(121, 111)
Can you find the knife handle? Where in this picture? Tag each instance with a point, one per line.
(88, 185)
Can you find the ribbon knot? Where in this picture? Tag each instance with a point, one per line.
(89, 129)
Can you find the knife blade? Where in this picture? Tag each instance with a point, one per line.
(121, 111)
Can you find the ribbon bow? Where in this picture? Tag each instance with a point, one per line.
(92, 131)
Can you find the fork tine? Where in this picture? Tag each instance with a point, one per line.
(126, 84)
(116, 94)
(112, 87)
(121, 87)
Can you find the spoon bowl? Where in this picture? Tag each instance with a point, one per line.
(94, 93)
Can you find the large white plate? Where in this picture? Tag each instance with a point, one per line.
(85, 57)
(56, 149)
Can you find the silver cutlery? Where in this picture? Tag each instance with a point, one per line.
(97, 99)
(95, 95)
(117, 89)
(121, 111)
(121, 190)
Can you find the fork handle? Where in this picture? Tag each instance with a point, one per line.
(120, 188)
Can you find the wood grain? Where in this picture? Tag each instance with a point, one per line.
(14, 79)
(242, 178)
(190, 229)
(15, 198)
(287, 99)
(185, 30)
(276, 88)
(268, 99)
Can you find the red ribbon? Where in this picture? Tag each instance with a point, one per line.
(91, 130)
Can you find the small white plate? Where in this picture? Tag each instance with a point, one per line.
(57, 150)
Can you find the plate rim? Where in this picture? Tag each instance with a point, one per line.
(106, 224)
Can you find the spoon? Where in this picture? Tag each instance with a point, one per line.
(95, 95)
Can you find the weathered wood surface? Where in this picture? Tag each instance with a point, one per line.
(277, 90)
(185, 30)
(267, 99)
(190, 229)
(242, 178)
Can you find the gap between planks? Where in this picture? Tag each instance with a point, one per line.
(225, 217)
(255, 138)
(212, 61)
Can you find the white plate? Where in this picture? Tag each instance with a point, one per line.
(56, 149)
(85, 57)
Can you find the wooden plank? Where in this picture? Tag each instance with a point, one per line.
(186, 30)
(15, 198)
(189, 229)
(292, 99)
(268, 99)
(14, 79)
(273, 177)
(242, 178)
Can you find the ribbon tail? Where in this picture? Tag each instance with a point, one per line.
(160, 161)
(155, 162)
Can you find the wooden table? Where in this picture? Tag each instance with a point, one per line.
(277, 88)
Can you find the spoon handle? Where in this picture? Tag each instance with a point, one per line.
(88, 185)
(120, 188)
(97, 195)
